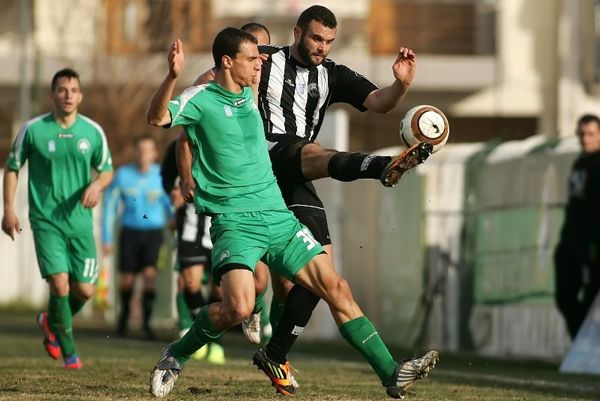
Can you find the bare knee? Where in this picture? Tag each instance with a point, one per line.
(149, 274)
(338, 291)
(192, 286)
(59, 284)
(192, 278)
(234, 314)
(83, 291)
(126, 281)
(315, 161)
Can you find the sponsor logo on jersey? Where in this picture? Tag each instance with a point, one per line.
(84, 145)
(239, 102)
(313, 89)
(51, 146)
(289, 82)
(65, 135)
(228, 112)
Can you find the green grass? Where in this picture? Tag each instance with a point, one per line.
(117, 369)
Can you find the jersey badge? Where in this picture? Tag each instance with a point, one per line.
(577, 183)
(289, 82)
(228, 112)
(224, 255)
(84, 145)
(51, 146)
(313, 90)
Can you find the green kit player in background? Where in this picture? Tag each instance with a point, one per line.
(234, 182)
(62, 147)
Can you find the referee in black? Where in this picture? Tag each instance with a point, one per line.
(577, 255)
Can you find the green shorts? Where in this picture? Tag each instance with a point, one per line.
(275, 236)
(59, 254)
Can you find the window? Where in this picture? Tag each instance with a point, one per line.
(433, 26)
(150, 25)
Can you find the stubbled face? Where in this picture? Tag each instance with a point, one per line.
(314, 43)
(146, 152)
(589, 137)
(67, 96)
(245, 67)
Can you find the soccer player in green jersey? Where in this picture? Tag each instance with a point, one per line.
(62, 147)
(236, 185)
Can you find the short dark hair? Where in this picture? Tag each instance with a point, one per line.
(316, 13)
(227, 43)
(251, 27)
(64, 73)
(588, 118)
(145, 137)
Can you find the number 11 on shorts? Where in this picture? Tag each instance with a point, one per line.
(307, 237)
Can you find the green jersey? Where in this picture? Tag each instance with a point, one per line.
(231, 165)
(60, 161)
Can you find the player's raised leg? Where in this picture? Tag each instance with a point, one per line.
(320, 277)
(318, 162)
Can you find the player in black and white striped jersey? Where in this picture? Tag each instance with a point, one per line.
(298, 83)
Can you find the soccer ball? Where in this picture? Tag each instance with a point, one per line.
(424, 123)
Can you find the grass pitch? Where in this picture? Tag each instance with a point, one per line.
(117, 369)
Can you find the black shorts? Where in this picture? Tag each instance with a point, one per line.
(193, 239)
(138, 249)
(298, 192)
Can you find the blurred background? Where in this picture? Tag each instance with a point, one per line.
(459, 255)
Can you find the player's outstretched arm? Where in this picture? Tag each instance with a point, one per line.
(184, 165)
(91, 195)
(158, 113)
(385, 99)
(10, 221)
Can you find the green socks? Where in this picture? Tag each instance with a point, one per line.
(185, 316)
(60, 319)
(361, 334)
(75, 304)
(201, 333)
(259, 302)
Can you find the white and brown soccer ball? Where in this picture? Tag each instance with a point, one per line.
(425, 123)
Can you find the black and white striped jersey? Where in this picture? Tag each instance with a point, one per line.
(191, 227)
(293, 97)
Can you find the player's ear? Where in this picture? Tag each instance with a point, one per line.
(226, 61)
(297, 33)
